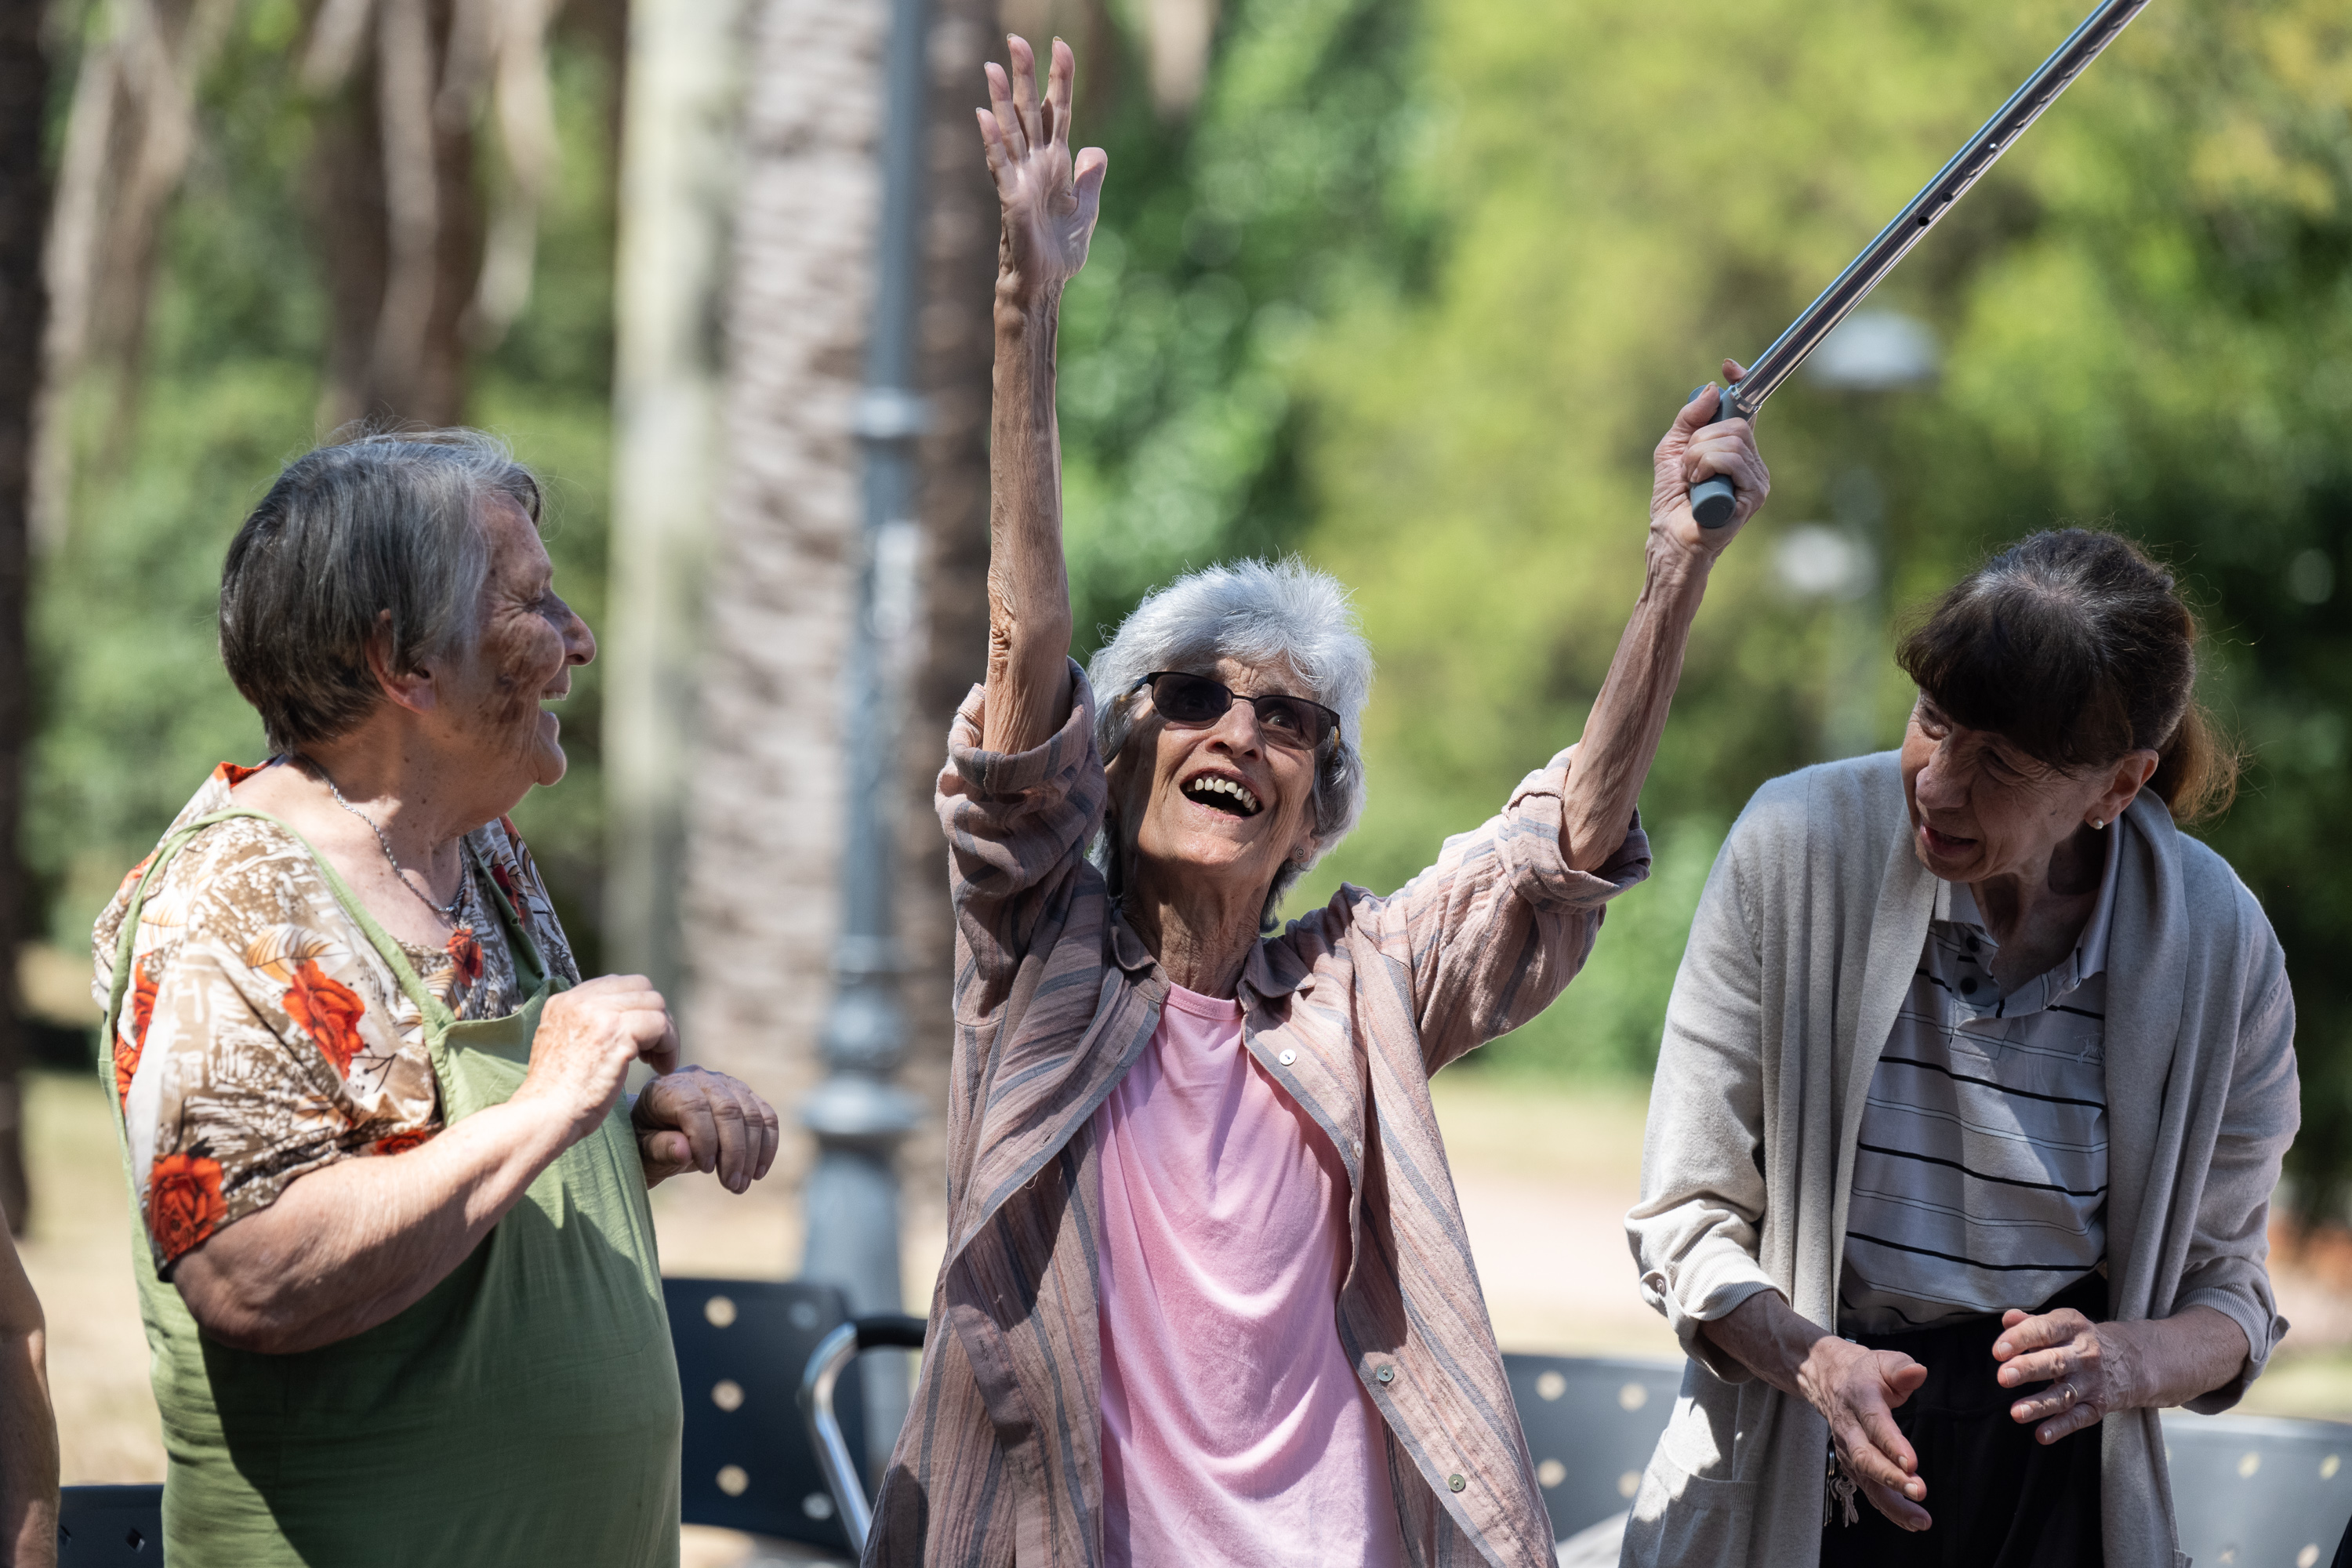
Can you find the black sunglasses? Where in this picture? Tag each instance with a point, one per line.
(1195, 699)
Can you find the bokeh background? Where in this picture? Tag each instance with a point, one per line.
(1409, 286)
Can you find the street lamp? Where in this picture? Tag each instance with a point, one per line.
(1871, 352)
(858, 1114)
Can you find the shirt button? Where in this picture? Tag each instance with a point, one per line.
(1386, 1374)
(1968, 987)
(1456, 1482)
(1287, 1057)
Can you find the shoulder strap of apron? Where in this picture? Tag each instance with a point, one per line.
(437, 1018)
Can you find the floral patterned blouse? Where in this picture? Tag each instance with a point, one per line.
(263, 1037)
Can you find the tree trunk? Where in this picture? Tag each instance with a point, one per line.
(765, 816)
(762, 900)
(678, 145)
(400, 227)
(957, 347)
(23, 212)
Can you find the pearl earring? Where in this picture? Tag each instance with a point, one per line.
(2098, 824)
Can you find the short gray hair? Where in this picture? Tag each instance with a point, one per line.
(352, 532)
(1260, 612)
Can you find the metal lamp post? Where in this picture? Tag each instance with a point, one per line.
(858, 1114)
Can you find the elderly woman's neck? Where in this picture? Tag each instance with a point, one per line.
(1201, 935)
(422, 806)
(2037, 913)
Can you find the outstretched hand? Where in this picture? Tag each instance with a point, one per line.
(1694, 447)
(1049, 200)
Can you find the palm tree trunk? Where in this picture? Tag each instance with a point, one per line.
(23, 212)
(763, 858)
(956, 349)
(766, 800)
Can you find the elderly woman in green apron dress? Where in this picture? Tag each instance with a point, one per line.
(396, 1265)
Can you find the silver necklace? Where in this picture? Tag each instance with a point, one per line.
(448, 912)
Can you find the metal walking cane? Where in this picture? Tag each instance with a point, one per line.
(1714, 500)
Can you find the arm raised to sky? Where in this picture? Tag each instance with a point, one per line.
(1621, 735)
(1049, 201)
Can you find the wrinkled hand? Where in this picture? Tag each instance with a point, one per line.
(696, 1120)
(587, 1040)
(1857, 1390)
(2087, 1365)
(1694, 447)
(1049, 201)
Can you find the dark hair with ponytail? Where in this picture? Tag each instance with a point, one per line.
(2076, 647)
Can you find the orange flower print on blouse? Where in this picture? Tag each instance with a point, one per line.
(402, 1141)
(266, 1033)
(146, 975)
(183, 1201)
(466, 951)
(329, 1010)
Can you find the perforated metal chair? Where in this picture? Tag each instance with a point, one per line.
(2253, 1491)
(98, 1527)
(1591, 1422)
(825, 1375)
(741, 1347)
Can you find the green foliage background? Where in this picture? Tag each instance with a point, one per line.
(134, 707)
(1414, 290)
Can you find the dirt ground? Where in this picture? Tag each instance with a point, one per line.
(1545, 1175)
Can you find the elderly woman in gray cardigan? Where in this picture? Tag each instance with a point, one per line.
(1974, 1088)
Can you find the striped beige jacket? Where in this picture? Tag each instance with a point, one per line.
(1351, 1009)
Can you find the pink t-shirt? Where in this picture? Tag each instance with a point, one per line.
(1234, 1430)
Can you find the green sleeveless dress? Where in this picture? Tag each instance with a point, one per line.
(525, 1411)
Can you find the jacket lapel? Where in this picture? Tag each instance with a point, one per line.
(1898, 932)
(2143, 1032)
(1045, 1085)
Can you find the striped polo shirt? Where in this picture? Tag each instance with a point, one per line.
(1981, 1179)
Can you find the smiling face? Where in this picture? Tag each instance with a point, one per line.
(525, 645)
(1982, 807)
(1221, 801)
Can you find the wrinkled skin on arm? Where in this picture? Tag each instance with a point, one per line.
(1049, 201)
(1621, 735)
(354, 1245)
(28, 1427)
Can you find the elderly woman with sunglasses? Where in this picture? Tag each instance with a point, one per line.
(1207, 1294)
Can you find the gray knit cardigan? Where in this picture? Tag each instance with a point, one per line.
(1804, 945)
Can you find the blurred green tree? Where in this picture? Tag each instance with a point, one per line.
(1418, 285)
(234, 369)
(1228, 232)
(1412, 287)
(2145, 312)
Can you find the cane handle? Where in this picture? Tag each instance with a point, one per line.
(1715, 500)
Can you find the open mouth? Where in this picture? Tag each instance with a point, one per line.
(1218, 793)
(1946, 843)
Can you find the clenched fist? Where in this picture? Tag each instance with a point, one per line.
(696, 1120)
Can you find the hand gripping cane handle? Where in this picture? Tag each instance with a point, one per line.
(1715, 500)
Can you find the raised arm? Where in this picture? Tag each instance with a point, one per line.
(1049, 201)
(1621, 737)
